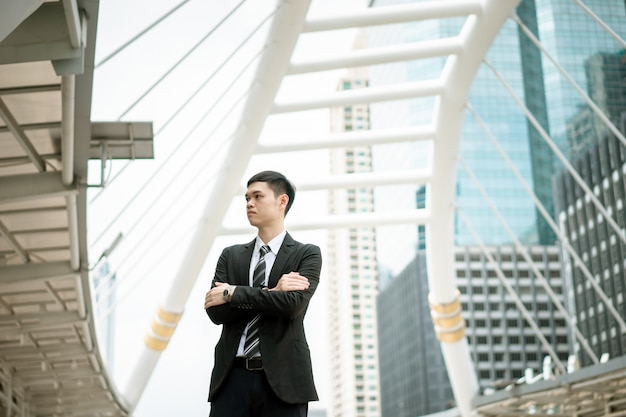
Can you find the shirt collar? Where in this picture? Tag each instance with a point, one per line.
(274, 244)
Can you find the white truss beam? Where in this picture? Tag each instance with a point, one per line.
(351, 139)
(367, 179)
(395, 14)
(381, 55)
(362, 179)
(416, 217)
(340, 221)
(363, 95)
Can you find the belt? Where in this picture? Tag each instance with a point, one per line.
(251, 364)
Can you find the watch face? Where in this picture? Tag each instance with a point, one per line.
(225, 293)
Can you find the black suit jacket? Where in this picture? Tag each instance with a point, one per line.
(285, 352)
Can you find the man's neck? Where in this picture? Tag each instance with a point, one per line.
(268, 233)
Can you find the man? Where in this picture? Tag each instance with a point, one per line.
(262, 361)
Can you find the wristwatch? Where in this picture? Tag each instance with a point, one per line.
(227, 295)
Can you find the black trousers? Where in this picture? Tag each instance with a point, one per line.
(248, 394)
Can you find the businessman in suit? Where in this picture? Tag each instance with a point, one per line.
(262, 361)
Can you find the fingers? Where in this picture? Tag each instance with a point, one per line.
(207, 300)
(292, 281)
(214, 297)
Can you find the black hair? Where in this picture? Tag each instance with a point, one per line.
(278, 183)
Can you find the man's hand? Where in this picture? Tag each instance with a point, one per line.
(292, 281)
(214, 297)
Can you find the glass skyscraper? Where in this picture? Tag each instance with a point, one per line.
(569, 35)
(603, 168)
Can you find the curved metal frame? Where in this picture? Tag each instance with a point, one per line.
(458, 74)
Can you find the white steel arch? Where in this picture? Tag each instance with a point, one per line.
(478, 34)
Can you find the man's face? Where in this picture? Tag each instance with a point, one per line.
(262, 206)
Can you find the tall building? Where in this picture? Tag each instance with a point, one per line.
(605, 74)
(603, 168)
(413, 376)
(503, 344)
(600, 159)
(352, 266)
(569, 35)
(578, 43)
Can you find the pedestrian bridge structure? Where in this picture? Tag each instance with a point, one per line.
(51, 361)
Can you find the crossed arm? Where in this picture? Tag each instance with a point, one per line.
(292, 281)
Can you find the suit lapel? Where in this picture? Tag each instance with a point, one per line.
(243, 276)
(284, 253)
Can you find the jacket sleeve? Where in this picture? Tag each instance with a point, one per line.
(287, 304)
(225, 313)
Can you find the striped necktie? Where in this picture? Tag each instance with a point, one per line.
(251, 346)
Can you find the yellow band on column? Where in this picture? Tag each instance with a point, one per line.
(168, 316)
(154, 343)
(448, 320)
(445, 308)
(161, 329)
(451, 337)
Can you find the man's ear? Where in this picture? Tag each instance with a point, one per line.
(283, 200)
